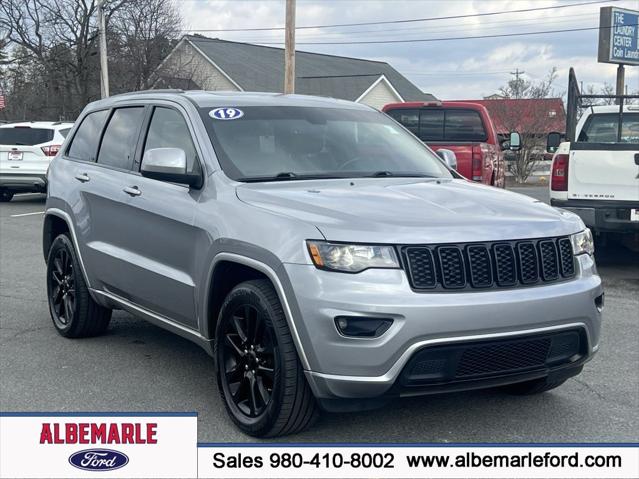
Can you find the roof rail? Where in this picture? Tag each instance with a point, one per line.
(159, 90)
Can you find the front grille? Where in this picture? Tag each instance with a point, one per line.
(480, 360)
(503, 264)
(503, 357)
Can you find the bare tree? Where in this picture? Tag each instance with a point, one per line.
(143, 33)
(52, 69)
(527, 118)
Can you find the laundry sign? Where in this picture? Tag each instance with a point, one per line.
(619, 36)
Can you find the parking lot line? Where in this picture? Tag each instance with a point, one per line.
(28, 214)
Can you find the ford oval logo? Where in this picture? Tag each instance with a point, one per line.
(98, 460)
(226, 113)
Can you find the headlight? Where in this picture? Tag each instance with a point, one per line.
(582, 242)
(351, 258)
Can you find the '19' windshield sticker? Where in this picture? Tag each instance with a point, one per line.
(226, 113)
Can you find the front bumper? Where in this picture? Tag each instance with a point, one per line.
(23, 182)
(347, 367)
(602, 217)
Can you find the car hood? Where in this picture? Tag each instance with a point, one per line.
(410, 210)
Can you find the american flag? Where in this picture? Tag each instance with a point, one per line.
(2, 104)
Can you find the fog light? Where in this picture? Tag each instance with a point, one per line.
(362, 327)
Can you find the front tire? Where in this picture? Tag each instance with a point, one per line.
(5, 196)
(74, 312)
(259, 375)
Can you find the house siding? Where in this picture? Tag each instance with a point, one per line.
(380, 95)
(187, 63)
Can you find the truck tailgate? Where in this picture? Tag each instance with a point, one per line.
(604, 171)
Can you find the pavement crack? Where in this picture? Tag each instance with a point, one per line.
(591, 389)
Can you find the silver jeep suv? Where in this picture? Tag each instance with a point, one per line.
(321, 253)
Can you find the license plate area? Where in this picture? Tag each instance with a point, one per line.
(15, 155)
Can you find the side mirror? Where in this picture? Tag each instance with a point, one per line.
(449, 158)
(553, 141)
(168, 164)
(514, 141)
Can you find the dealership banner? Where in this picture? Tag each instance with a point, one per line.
(54, 445)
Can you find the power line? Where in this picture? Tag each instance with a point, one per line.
(427, 19)
(423, 40)
(486, 25)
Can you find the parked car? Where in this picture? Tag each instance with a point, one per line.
(463, 127)
(26, 149)
(324, 256)
(597, 175)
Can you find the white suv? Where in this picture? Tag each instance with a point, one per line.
(26, 149)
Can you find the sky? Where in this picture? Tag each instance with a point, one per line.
(458, 69)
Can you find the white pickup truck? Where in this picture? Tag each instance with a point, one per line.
(597, 176)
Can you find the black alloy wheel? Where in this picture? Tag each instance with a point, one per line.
(63, 288)
(259, 375)
(74, 312)
(249, 353)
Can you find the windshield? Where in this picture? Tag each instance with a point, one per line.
(604, 127)
(265, 143)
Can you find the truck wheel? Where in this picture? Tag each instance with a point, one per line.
(536, 386)
(73, 311)
(259, 375)
(5, 196)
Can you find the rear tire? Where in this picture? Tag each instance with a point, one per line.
(5, 196)
(536, 386)
(74, 312)
(259, 375)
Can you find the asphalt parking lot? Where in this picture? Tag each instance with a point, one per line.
(139, 367)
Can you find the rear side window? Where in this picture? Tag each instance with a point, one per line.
(85, 141)
(463, 125)
(120, 137)
(431, 125)
(603, 128)
(453, 124)
(25, 136)
(168, 129)
(65, 132)
(408, 118)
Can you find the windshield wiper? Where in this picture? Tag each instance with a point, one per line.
(379, 174)
(289, 175)
(285, 175)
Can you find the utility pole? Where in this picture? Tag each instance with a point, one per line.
(621, 80)
(104, 66)
(517, 73)
(289, 48)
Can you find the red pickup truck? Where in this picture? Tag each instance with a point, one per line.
(463, 127)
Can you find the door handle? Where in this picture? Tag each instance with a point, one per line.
(132, 191)
(83, 177)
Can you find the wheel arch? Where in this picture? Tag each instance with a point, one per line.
(56, 218)
(230, 269)
(53, 226)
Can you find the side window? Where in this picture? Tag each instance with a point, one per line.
(168, 129)
(121, 135)
(85, 141)
(408, 118)
(464, 125)
(431, 125)
(604, 127)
